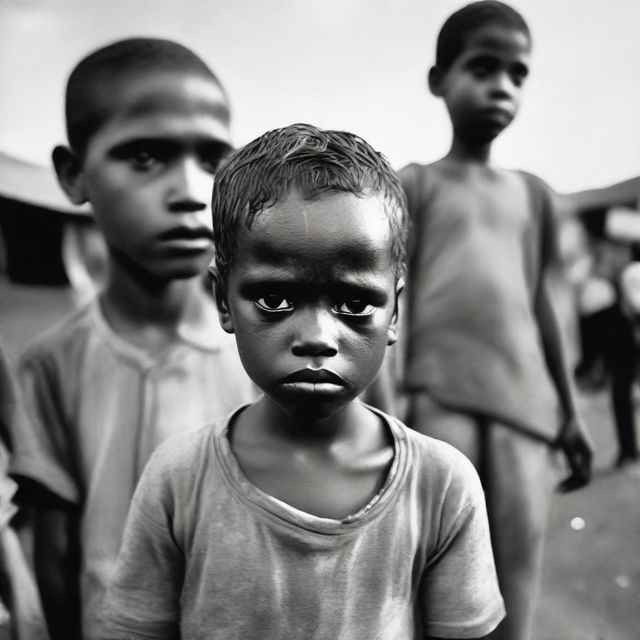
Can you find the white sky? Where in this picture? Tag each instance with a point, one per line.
(356, 65)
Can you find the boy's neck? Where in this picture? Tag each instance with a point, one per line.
(266, 419)
(142, 310)
(330, 468)
(469, 152)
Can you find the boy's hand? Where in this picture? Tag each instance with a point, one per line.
(578, 450)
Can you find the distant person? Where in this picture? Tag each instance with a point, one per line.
(148, 125)
(21, 616)
(485, 369)
(608, 358)
(307, 514)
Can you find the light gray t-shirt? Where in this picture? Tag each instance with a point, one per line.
(98, 406)
(208, 555)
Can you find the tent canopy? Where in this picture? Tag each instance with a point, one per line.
(36, 185)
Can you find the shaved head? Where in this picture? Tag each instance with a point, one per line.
(98, 80)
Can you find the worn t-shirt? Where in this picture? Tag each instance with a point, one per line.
(475, 267)
(98, 407)
(208, 555)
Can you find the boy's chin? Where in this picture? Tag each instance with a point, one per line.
(488, 133)
(312, 411)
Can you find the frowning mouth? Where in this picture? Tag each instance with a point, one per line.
(314, 380)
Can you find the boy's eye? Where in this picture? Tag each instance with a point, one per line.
(354, 307)
(212, 156)
(519, 75)
(480, 71)
(483, 66)
(144, 155)
(142, 159)
(274, 303)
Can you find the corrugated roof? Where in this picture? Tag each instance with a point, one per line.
(34, 184)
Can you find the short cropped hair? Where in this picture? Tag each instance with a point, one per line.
(459, 25)
(312, 161)
(90, 87)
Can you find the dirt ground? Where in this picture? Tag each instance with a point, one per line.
(591, 584)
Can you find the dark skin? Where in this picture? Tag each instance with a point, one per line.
(147, 172)
(56, 545)
(327, 311)
(333, 307)
(482, 91)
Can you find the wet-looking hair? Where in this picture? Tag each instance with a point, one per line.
(313, 162)
(93, 82)
(459, 25)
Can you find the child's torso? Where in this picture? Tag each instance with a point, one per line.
(474, 269)
(118, 404)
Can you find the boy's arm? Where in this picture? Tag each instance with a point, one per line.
(573, 438)
(57, 568)
(620, 194)
(48, 494)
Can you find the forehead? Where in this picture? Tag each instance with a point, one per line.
(161, 103)
(332, 233)
(498, 40)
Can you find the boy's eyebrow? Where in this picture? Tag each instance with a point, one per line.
(346, 287)
(162, 143)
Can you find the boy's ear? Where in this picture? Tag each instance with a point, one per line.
(220, 296)
(434, 80)
(392, 332)
(69, 171)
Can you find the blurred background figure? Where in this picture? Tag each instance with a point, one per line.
(21, 616)
(609, 220)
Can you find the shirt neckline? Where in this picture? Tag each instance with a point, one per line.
(134, 353)
(278, 510)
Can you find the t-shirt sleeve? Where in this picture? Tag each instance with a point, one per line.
(459, 592)
(42, 442)
(142, 600)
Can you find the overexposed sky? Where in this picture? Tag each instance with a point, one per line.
(351, 64)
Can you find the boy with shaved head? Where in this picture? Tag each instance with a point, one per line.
(485, 367)
(148, 124)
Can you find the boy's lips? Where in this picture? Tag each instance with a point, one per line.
(189, 238)
(316, 380)
(497, 113)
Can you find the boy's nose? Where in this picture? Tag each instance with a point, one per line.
(317, 334)
(190, 187)
(502, 86)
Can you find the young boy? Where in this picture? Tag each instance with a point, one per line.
(148, 124)
(485, 365)
(307, 514)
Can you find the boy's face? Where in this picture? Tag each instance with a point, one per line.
(311, 297)
(483, 86)
(148, 171)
